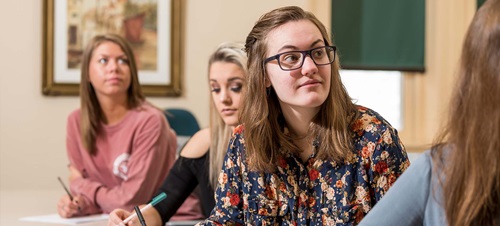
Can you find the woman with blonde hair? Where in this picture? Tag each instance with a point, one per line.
(457, 182)
(202, 157)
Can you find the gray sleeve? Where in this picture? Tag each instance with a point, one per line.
(404, 203)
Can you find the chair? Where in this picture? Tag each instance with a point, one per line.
(183, 123)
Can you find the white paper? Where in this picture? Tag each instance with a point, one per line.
(55, 218)
(182, 223)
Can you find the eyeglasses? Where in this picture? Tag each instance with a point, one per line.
(292, 60)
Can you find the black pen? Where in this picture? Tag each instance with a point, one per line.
(67, 191)
(139, 215)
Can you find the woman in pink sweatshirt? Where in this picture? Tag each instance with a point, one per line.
(120, 147)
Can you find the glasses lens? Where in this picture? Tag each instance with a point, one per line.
(323, 55)
(294, 59)
(291, 60)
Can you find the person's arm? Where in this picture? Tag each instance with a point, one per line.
(228, 208)
(388, 161)
(153, 145)
(82, 205)
(72, 141)
(404, 203)
(180, 182)
(182, 178)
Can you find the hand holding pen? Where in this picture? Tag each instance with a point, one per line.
(121, 217)
(68, 205)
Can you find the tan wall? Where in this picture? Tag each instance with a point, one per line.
(426, 95)
(32, 126)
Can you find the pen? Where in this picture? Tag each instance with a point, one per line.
(69, 194)
(65, 188)
(153, 202)
(139, 215)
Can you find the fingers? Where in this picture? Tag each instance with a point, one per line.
(61, 206)
(78, 200)
(117, 216)
(67, 208)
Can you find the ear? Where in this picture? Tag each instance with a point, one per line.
(268, 82)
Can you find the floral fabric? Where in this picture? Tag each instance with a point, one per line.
(316, 192)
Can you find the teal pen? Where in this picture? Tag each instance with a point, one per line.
(153, 202)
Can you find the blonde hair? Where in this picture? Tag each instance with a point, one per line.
(91, 112)
(219, 131)
(467, 149)
(261, 113)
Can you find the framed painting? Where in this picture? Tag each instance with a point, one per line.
(154, 28)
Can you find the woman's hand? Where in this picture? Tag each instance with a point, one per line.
(67, 208)
(117, 216)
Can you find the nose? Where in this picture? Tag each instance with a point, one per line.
(112, 65)
(309, 67)
(224, 97)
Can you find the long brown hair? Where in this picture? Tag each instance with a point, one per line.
(467, 151)
(91, 111)
(220, 132)
(261, 113)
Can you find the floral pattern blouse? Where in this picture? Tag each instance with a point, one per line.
(316, 192)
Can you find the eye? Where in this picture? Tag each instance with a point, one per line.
(215, 90)
(318, 53)
(290, 57)
(236, 87)
(123, 61)
(103, 61)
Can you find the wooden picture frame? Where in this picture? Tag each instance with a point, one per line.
(62, 32)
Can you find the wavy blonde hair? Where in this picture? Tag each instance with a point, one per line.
(467, 151)
(91, 111)
(220, 132)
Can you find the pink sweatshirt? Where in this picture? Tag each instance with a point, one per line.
(132, 160)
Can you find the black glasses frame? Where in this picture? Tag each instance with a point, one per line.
(304, 55)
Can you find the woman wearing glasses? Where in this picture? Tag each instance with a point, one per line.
(305, 154)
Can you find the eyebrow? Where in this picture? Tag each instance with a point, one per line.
(229, 80)
(106, 55)
(286, 47)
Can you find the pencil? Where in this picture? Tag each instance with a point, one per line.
(65, 188)
(69, 194)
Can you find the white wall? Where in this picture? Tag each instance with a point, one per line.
(32, 126)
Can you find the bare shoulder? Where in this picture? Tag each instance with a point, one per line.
(198, 145)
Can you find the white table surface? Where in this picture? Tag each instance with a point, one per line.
(15, 204)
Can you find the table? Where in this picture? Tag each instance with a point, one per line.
(15, 204)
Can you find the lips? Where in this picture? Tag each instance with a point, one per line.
(114, 80)
(228, 111)
(310, 82)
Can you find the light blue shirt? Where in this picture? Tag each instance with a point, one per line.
(414, 199)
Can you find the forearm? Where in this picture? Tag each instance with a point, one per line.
(179, 184)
